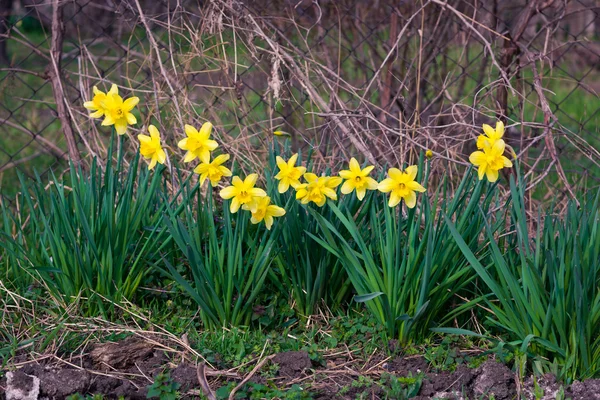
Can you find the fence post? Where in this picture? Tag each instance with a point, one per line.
(55, 78)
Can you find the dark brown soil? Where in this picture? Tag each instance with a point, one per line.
(126, 368)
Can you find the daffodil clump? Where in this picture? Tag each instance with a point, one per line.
(401, 185)
(490, 159)
(319, 189)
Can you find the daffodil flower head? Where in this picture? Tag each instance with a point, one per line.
(213, 170)
(197, 143)
(117, 112)
(264, 211)
(490, 160)
(97, 102)
(318, 189)
(402, 186)
(289, 174)
(243, 192)
(150, 147)
(491, 135)
(429, 154)
(357, 179)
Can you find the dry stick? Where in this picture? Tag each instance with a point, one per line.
(158, 60)
(50, 147)
(486, 43)
(57, 89)
(201, 374)
(385, 60)
(307, 85)
(549, 115)
(250, 375)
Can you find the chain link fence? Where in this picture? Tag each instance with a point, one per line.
(378, 79)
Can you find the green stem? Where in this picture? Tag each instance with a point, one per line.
(121, 150)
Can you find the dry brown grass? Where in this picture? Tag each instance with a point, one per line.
(380, 83)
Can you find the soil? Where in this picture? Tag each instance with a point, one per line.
(126, 369)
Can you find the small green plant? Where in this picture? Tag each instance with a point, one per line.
(163, 388)
(405, 387)
(226, 261)
(78, 396)
(307, 271)
(403, 267)
(92, 235)
(538, 391)
(543, 287)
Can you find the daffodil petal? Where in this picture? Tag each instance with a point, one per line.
(492, 175)
(481, 171)
(131, 119)
(276, 211)
(499, 129)
(371, 184)
(283, 186)
(488, 130)
(386, 185)
(121, 127)
(477, 158)
(412, 172)
(354, 165)
(189, 156)
(251, 180)
(346, 174)
(415, 186)
(228, 192)
(162, 156)
(395, 174)
(257, 192)
(190, 130)
(360, 193)
(130, 103)
(411, 199)
(394, 199)
(235, 205)
(206, 129)
(347, 187)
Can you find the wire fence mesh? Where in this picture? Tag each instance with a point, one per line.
(381, 80)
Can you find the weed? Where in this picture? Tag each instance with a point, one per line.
(163, 388)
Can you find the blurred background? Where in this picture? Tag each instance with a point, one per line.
(381, 80)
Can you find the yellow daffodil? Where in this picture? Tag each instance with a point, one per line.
(281, 133)
(491, 135)
(490, 160)
(97, 103)
(213, 170)
(243, 192)
(150, 147)
(357, 179)
(317, 189)
(197, 143)
(264, 210)
(401, 185)
(289, 174)
(429, 154)
(118, 112)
